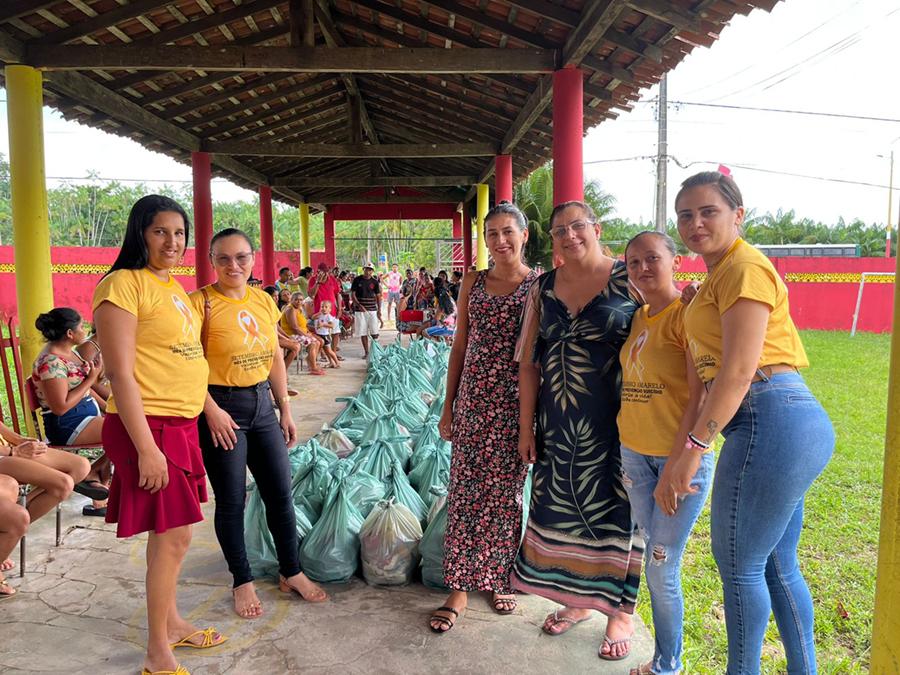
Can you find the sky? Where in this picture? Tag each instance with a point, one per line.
(826, 56)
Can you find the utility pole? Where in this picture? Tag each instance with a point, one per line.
(662, 156)
(887, 251)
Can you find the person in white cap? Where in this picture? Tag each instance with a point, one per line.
(365, 299)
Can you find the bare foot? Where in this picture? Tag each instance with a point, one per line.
(617, 640)
(303, 586)
(7, 565)
(246, 602)
(563, 620)
(160, 658)
(5, 589)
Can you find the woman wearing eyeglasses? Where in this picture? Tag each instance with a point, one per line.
(238, 427)
(578, 548)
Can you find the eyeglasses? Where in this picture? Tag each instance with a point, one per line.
(577, 227)
(242, 259)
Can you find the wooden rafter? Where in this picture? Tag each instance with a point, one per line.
(366, 181)
(346, 150)
(291, 59)
(100, 21)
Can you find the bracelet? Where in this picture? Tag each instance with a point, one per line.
(696, 442)
(284, 399)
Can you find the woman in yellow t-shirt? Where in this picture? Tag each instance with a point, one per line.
(150, 339)
(293, 327)
(661, 396)
(778, 438)
(238, 427)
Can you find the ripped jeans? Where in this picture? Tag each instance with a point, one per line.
(665, 538)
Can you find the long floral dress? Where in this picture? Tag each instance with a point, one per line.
(484, 510)
(579, 549)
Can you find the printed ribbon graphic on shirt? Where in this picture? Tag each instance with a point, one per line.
(634, 355)
(250, 326)
(187, 326)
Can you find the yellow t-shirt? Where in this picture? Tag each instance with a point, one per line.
(744, 272)
(242, 340)
(654, 380)
(169, 366)
(286, 324)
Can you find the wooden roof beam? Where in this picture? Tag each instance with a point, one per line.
(634, 45)
(668, 12)
(193, 104)
(210, 21)
(379, 181)
(291, 59)
(358, 150)
(103, 19)
(325, 198)
(481, 18)
(14, 9)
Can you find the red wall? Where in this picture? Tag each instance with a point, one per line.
(77, 271)
(823, 291)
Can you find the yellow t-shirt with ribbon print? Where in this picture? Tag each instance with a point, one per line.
(169, 366)
(654, 380)
(743, 272)
(241, 340)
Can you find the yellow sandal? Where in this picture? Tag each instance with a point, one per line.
(181, 670)
(208, 639)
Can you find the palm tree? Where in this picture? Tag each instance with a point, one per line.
(534, 195)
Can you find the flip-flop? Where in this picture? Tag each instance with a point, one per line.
(209, 639)
(643, 669)
(443, 620)
(612, 643)
(6, 591)
(557, 619)
(501, 599)
(181, 670)
(88, 510)
(92, 489)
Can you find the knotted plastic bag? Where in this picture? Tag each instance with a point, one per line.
(257, 538)
(353, 412)
(400, 489)
(361, 488)
(427, 472)
(432, 550)
(313, 487)
(335, 440)
(330, 553)
(389, 544)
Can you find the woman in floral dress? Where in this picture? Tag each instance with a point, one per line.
(484, 516)
(578, 548)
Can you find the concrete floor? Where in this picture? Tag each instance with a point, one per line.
(80, 606)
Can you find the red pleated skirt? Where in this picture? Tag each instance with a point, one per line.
(135, 509)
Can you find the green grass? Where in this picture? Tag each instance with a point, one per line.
(839, 545)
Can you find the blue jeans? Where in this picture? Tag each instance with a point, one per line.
(665, 538)
(260, 447)
(776, 445)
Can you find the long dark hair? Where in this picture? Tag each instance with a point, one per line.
(134, 254)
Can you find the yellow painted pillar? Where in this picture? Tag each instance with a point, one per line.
(304, 235)
(482, 206)
(886, 627)
(30, 215)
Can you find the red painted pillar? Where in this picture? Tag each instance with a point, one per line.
(330, 255)
(457, 225)
(457, 247)
(568, 133)
(503, 179)
(467, 240)
(202, 175)
(266, 235)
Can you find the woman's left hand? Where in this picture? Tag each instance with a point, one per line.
(288, 428)
(675, 481)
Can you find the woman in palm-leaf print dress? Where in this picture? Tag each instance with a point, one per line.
(579, 549)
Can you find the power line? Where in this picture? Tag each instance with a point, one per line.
(815, 113)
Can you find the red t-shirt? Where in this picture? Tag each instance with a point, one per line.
(327, 291)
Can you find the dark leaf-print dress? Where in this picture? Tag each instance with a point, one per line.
(484, 512)
(578, 548)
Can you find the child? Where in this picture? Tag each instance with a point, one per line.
(442, 326)
(325, 325)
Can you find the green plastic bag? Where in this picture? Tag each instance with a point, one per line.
(330, 553)
(526, 500)
(377, 457)
(438, 499)
(300, 459)
(432, 550)
(433, 469)
(354, 410)
(400, 489)
(257, 538)
(362, 489)
(372, 397)
(385, 426)
(313, 486)
(389, 544)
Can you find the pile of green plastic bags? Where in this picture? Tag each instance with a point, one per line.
(370, 489)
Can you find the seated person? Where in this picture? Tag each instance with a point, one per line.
(53, 473)
(294, 328)
(440, 326)
(326, 324)
(14, 522)
(101, 469)
(64, 382)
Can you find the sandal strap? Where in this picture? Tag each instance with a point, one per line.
(447, 609)
(620, 641)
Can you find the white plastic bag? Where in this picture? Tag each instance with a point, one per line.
(389, 544)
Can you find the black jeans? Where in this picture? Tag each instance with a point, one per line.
(261, 448)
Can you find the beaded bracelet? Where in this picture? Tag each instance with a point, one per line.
(696, 442)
